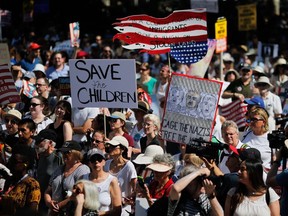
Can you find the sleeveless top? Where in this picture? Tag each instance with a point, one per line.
(59, 132)
(104, 192)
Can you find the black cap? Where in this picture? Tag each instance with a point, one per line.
(245, 66)
(250, 153)
(46, 134)
(70, 145)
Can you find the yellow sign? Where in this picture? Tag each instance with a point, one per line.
(247, 17)
(221, 28)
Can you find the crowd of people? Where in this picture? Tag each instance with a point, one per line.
(58, 159)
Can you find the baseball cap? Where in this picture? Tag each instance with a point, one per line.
(245, 66)
(46, 134)
(14, 113)
(118, 115)
(144, 107)
(39, 67)
(118, 140)
(70, 145)
(95, 151)
(250, 153)
(256, 100)
(150, 152)
(34, 46)
(81, 54)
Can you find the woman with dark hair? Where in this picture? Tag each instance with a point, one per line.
(252, 197)
(122, 168)
(38, 113)
(21, 194)
(62, 124)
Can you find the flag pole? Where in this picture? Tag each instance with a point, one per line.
(0, 26)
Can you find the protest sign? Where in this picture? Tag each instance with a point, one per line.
(183, 33)
(4, 54)
(8, 92)
(190, 109)
(107, 83)
(74, 33)
(64, 85)
(64, 46)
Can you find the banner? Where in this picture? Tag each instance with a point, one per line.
(235, 111)
(107, 83)
(8, 92)
(183, 32)
(190, 110)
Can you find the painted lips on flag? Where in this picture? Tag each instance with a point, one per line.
(183, 32)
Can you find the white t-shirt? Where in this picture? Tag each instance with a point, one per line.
(261, 143)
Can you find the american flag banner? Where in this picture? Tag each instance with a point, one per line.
(8, 92)
(184, 33)
(235, 111)
(5, 17)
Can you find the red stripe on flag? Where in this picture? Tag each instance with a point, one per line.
(176, 16)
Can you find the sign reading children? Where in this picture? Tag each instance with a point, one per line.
(190, 110)
(103, 83)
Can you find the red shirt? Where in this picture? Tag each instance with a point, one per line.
(163, 191)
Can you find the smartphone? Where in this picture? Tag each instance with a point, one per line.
(140, 181)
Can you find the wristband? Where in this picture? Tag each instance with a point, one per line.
(211, 196)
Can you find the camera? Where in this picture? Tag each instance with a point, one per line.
(277, 138)
(202, 148)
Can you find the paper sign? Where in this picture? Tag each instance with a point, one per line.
(107, 83)
(74, 33)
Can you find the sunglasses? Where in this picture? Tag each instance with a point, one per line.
(113, 120)
(34, 104)
(109, 148)
(140, 93)
(253, 120)
(77, 190)
(95, 158)
(12, 121)
(97, 141)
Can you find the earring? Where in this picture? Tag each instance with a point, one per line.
(25, 165)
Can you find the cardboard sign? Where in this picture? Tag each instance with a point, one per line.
(190, 110)
(107, 83)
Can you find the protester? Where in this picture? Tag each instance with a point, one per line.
(122, 168)
(49, 159)
(64, 177)
(59, 67)
(107, 185)
(62, 124)
(85, 195)
(257, 136)
(249, 198)
(38, 113)
(21, 194)
(151, 125)
(186, 196)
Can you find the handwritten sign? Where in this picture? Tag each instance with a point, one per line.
(103, 83)
(190, 109)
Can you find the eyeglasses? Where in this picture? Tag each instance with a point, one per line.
(254, 120)
(113, 120)
(34, 104)
(12, 121)
(140, 93)
(95, 158)
(143, 69)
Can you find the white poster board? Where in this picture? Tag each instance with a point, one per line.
(107, 83)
